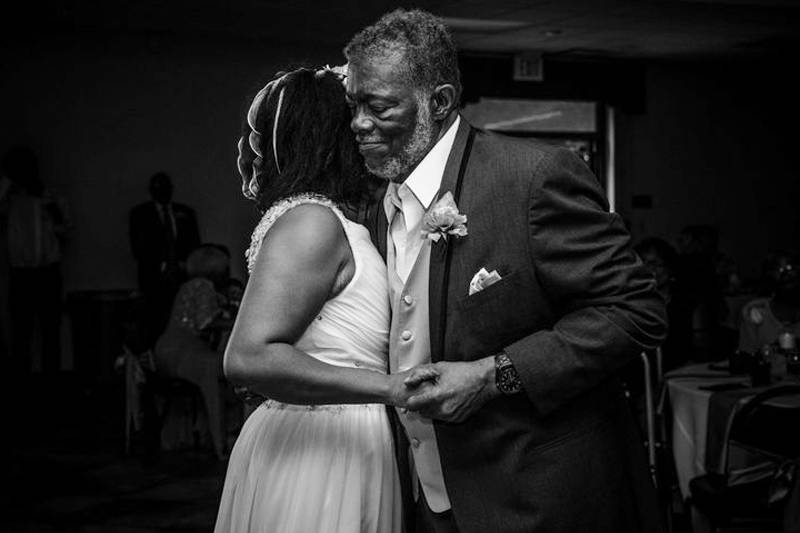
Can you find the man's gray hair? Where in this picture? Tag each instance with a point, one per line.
(430, 55)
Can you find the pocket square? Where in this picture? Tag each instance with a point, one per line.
(483, 279)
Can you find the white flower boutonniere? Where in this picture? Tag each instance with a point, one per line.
(443, 219)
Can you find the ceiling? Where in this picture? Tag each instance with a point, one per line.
(635, 29)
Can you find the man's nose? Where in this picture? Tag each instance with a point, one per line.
(361, 123)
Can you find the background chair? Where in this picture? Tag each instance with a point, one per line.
(760, 472)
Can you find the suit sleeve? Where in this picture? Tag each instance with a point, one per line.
(606, 304)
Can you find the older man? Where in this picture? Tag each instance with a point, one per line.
(527, 310)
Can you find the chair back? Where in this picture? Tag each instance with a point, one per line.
(769, 424)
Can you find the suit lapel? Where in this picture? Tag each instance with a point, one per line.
(376, 220)
(441, 251)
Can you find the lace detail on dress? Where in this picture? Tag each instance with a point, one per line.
(274, 213)
(327, 408)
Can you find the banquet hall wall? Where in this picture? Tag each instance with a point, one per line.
(712, 143)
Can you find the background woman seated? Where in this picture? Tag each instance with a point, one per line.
(188, 348)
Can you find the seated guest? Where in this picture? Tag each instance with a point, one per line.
(185, 350)
(702, 274)
(764, 319)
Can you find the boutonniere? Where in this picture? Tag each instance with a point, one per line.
(443, 219)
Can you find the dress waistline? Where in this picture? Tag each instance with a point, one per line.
(328, 408)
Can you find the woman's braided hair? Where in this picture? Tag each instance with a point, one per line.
(314, 150)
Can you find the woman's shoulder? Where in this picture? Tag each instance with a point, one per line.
(310, 219)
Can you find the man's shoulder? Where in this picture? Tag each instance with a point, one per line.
(518, 150)
(517, 159)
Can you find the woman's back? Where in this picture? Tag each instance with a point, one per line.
(299, 468)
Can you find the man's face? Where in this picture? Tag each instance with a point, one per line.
(161, 189)
(391, 119)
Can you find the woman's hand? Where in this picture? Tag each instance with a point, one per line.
(403, 385)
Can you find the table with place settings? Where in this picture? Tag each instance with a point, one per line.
(703, 397)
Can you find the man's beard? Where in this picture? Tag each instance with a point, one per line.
(401, 164)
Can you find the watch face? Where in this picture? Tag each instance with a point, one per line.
(508, 381)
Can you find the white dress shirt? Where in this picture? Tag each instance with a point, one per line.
(413, 197)
(408, 259)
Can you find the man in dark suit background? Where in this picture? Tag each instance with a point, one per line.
(527, 318)
(162, 234)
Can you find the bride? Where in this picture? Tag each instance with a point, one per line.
(312, 332)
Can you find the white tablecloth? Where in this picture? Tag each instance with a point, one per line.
(689, 404)
(690, 401)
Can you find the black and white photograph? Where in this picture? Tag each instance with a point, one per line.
(479, 266)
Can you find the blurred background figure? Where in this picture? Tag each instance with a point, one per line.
(162, 233)
(189, 348)
(37, 222)
(661, 259)
(763, 319)
(701, 292)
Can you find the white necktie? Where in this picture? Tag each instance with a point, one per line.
(399, 235)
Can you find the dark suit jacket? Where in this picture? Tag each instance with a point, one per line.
(573, 306)
(149, 239)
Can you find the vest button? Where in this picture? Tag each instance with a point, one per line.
(408, 299)
(415, 442)
(406, 335)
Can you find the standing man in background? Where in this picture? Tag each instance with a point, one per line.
(36, 222)
(162, 234)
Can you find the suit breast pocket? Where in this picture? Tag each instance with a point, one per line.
(492, 317)
(501, 290)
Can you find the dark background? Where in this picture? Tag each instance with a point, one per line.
(108, 93)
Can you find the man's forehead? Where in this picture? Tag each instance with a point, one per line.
(376, 78)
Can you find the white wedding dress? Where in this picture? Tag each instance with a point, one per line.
(326, 468)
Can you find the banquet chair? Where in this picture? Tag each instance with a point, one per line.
(760, 466)
(642, 380)
(150, 399)
(650, 417)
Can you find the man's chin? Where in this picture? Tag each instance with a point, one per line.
(389, 170)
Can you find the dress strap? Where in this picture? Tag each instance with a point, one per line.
(276, 211)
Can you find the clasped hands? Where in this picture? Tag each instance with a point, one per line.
(448, 391)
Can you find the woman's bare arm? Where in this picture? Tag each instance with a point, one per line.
(294, 275)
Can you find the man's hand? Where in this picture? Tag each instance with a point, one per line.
(403, 385)
(459, 391)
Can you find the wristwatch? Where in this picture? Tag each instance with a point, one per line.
(505, 375)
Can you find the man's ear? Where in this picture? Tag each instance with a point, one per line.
(443, 101)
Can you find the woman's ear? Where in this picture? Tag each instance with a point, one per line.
(443, 100)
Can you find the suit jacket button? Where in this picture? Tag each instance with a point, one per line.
(415, 442)
(408, 299)
(406, 335)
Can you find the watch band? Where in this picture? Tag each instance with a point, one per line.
(505, 375)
